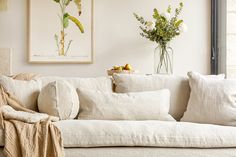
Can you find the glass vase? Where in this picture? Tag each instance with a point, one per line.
(163, 60)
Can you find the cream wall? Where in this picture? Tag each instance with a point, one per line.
(231, 39)
(117, 39)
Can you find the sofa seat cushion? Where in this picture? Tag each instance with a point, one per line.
(98, 133)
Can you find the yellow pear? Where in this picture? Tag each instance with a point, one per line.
(128, 67)
(115, 68)
(120, 68)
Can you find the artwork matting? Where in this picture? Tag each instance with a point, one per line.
(42, 47)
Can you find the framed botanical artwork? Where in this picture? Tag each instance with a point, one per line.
(60, 31)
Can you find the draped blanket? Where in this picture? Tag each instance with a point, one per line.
(28, 133)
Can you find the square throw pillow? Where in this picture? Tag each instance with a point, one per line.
(130, 106)
(212, 100)
(25, 91)
(178, 86)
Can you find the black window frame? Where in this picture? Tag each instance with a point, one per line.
(214, 36)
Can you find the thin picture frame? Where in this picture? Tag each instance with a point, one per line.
(29, 33)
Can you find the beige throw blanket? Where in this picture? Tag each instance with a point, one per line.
(27, 133)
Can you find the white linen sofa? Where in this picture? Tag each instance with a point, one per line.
(150, 138)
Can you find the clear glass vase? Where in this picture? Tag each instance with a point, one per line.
(163, 60)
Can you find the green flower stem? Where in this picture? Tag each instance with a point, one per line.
(62, 45)
(62, 41)
(164, 59)
(170, 63)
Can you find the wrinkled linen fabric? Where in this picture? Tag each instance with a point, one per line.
(146, 152)
(100, 133)
(178, 86)
(59, 99)
(100, 83)
(153, 105)
(212, 100)
(26, 91)
(25, 76)
(149, 152)
(25, 136)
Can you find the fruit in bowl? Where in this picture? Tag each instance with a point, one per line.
(127, 69)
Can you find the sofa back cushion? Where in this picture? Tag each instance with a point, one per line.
(100, 83)
(26, 91)
(178, 86)
(100, 105)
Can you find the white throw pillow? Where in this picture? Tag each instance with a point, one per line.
(178, 86)
(59, 99)
(131, 106)
(211, 101)
(25, 91)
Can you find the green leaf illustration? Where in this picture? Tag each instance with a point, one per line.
(57, 1)
(62, 44)
(77, 23)
(66, 20)
(68, 2)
